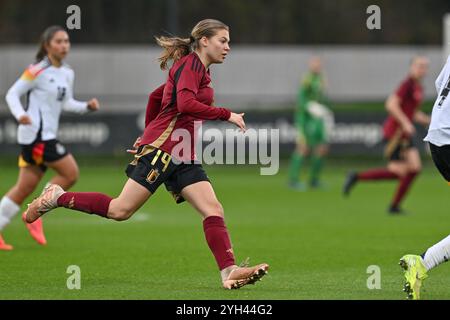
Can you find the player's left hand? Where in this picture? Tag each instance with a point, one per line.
(238, 120)
(93, 104)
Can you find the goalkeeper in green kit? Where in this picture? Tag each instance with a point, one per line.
(314, 122)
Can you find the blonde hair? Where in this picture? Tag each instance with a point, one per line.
(174, 48)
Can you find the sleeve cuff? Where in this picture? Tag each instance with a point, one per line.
(226, 114)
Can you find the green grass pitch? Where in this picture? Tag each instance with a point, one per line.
(318, 244)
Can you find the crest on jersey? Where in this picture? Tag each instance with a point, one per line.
(152, 175)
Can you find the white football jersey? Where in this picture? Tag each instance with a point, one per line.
(439, 131)
(49, 90)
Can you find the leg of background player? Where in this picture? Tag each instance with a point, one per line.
(67, 172)
(29, 178)
(437, 254)
(317, 164)
(394, 170)
(416, 267)
(297, 160)
(414, 165)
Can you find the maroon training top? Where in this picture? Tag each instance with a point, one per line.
(186, 97)
(410, 93)
(154, 104)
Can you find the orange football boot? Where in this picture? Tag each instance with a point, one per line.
(4, 246)
(36, 230)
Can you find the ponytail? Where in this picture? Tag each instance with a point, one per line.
(41, 53)
(174, 48)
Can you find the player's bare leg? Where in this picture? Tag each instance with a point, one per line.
(28, 179)
(67, 175)
(398, 167)
(202, 197)
(132, 197)
(67, 172)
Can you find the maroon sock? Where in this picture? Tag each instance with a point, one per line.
(403, 188)
(216, 234)
(89, 202)
(377, 174)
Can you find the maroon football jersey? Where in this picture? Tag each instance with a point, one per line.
(154, 104)
(187, 98)
(410, 93)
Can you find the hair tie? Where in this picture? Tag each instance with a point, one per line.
(192, 39)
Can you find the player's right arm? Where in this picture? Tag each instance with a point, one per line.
(152, 110)
(393, 107)
(23, 85)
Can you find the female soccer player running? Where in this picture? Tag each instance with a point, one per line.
(403, 157)
(48, 85)
(438, 137)
(186, 98)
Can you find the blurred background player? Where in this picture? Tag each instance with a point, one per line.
(48, 86)
(187, 97)
(314, 123)
(404, 162)
(438, 137)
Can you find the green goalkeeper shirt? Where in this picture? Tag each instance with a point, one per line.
(311, 89)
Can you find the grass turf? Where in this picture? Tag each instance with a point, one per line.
(319, 245)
